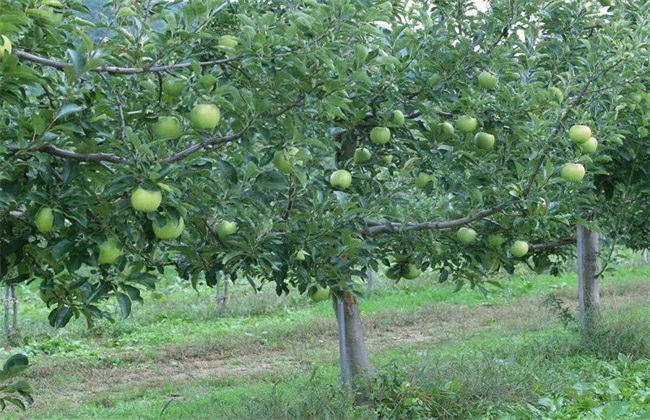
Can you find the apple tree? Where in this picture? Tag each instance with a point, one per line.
(299, 143)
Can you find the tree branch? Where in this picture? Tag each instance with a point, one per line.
(84, 157)
(300, 99)
(202, 145)
(394, 227)
(554, 244)
(60, 65)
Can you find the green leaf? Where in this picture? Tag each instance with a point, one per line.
(67, 109)
(59, 317)
(125, 304)
(13, 366)
(229, 172)
(15, 401)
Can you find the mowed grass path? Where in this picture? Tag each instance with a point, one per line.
(175, 358)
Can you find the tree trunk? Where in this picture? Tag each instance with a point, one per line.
(10, 304)
(588, 284)
(6, 328)
(355, 366)
(646, 256)
(370, 277)
(220, 298)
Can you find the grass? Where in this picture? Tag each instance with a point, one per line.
(435, 354)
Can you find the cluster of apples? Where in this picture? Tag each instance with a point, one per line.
(581, 135)
(202, 117)
(467, 236)
(341, 179)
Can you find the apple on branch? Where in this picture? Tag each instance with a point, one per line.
(466, 235)
(487, 80)
(168, 128)
(572, 172)
(225, 228)
(397, 118)
(205, 116)
(446, 130)
(519, 248)
(484, 141)
(172, 86)
(590, 146)
(380, 135)
(579, 133)
(321, 294)
(340, 179)
(361, 155)
(466, 123)
(145, 200)
(172, 228)
(44, 220)
(109, 252)
(228, 41)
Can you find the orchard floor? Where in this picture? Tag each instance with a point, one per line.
(176, 358)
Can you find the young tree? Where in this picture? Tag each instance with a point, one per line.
(299, 143)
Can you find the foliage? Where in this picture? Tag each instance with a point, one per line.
(309, 79)
(14, 391)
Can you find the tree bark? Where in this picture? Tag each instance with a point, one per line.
(355, 365)
(370, 277)
(588, 280)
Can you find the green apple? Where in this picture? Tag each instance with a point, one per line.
(281, 162)
(447, 130)
(557, 93)
(589, 146)
(519, 248)
(228, 41)
(484, 141)
(380, 135)
(168, 128)
(579, 133)
(466, 123)
(109, 252)
(145, 200)
(206, 82)
(172, 86)
(423, 179)
(362, 155)
(5, 46)
(398, 118)
(226, 228)
(487, 80)
(466, 235)
(172, 229)
(496, 240)
(340, 179)
(44, 220)
(572, 172)
(386, 158)
(320, 294)
(205, 116)
(410, 272)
